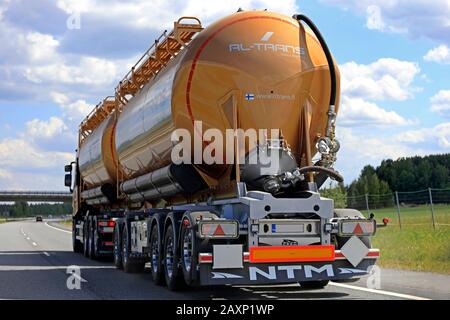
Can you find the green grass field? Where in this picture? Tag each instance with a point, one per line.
(417, 246)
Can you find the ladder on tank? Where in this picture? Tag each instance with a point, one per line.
(165, 48)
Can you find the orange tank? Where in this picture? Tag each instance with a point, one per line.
(254, 69)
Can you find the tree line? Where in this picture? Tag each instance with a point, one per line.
(24, 209)
(403, 174)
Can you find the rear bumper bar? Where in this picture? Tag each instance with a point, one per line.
(338, 255)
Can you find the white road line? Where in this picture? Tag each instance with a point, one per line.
(17, 253)
(59, 229)
(38, 268)
(382, 292)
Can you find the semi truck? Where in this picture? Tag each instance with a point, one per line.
(155, 186)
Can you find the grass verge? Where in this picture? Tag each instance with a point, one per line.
(416, 246)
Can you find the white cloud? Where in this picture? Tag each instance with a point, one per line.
(20, 153)
(163, 13)
(417, 18)
(74, 111)
(89, 71)
(440, 103)
(440, 134)
(40, 47)
(360, 148)
(440, 54)
(59, 98)
(77, 110)
(24, 180)
(358, 112)
(386, 78)
(39, 129)
(4, 174)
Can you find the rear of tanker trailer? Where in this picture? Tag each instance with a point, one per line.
(201, 164)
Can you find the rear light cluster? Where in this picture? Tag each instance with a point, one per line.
(218, 229)
(110, 223)
(357, 227)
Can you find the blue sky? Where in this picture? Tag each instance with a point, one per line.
(394, 59)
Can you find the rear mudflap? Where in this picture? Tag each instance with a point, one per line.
(277, 273)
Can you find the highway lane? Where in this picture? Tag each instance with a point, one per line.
(34, 258)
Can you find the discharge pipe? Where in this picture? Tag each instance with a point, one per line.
(328, 145)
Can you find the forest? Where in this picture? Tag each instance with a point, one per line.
(403, 175)
(24, 209)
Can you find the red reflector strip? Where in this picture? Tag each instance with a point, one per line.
(108, 243)
(373, 253)
(291, 253)
(208, 257)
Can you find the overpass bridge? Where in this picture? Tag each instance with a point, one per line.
(35, 196)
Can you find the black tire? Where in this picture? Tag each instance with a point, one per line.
(188, 254)
(76, 244)
(171, 258)
(311, 285)
(156, 256)
(117, 251)
(128, 265)
(86, 238)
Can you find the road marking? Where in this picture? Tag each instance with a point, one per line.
(17, 253)
(35, 244)
(28, 238)
(41, 268)
(383, 292)
(59, 229)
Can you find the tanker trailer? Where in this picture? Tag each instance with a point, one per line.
(201, 163)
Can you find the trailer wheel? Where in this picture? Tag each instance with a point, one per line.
(188, 254)
(128, 265)
(171, 257)
(117, 252)
(86, 238)
(155, 256)
(311, 285)
(77, 245)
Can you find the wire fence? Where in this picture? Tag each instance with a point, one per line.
(423, 207)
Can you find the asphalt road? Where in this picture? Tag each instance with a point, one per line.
(34, 257)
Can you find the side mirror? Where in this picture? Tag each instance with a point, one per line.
(68, 180)
(68, 168)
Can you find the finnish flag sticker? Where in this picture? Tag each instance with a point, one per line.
(249, 96)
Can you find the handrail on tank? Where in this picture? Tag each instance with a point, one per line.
(102, 110)
(165, 47)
